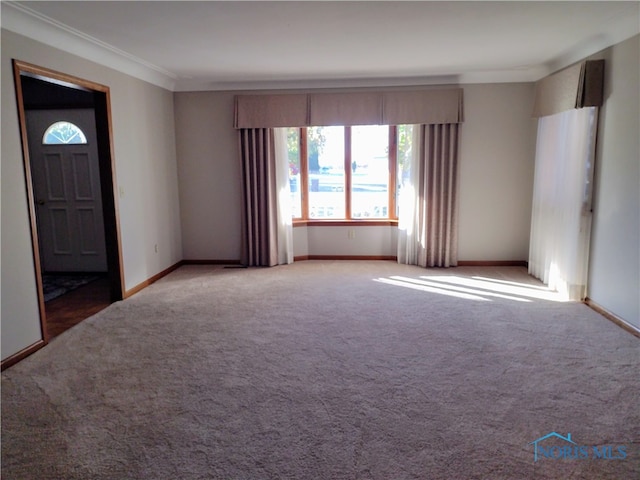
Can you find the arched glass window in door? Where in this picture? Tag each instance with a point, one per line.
(63, 133)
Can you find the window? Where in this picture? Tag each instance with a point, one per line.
(346, 173)
(63, 133)
(404, 152)
(326, 172)
(295, 167)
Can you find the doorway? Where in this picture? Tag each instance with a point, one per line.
(65, 128)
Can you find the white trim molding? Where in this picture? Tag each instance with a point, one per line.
(22, 20)
(629, 327)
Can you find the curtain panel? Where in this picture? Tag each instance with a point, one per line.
(566, 106)
(433, 218)
(561, 207)
(428, 219)
(260, 209)
(433, 106)
(578, 86)
(284, 235)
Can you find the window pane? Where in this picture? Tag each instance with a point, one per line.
(63, 133)
(405, 151)
(370, 171)
(293, 149)
(325, 154)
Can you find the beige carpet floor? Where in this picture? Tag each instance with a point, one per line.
(329, 370)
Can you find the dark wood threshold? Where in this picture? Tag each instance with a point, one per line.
(633, 330)
(68, 310)
(167, 271)
(22, 354)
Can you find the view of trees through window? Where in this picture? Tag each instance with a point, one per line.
(405, 151)
(295, 181)
(326, 174)
(348, 173)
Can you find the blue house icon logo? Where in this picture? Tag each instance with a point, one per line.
(564, 448)
(549, 435)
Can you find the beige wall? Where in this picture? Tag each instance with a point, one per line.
(145, 164)
(210, 176)
(614, 270)
(497, 157)
(496, 178)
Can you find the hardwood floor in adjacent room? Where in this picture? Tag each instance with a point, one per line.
(70, 309)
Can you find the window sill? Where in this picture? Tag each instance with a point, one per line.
(382, 222)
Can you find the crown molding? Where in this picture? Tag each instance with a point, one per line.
(29, 23)
(616, 30)
(518, 75)
(22, 20)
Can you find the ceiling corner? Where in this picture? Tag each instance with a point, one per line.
(19, 19)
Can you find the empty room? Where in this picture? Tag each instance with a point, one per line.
(320, 240)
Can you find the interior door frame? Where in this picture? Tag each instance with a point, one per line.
(102, 100)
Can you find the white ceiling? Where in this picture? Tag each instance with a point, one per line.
(185, 45)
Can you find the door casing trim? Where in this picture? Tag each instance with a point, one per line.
(108, 182)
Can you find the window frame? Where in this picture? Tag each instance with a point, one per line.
(390, 219)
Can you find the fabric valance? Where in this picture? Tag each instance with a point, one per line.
(578, 86)
(427, 107)
(345, 109)
(433, 106)
(270, 111)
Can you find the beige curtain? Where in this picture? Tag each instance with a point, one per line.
(270, 111)
(429, 106)
(423, 107)
(260, 206)
(345, 109)
(566, 106)
(578, 86)
(429, 237)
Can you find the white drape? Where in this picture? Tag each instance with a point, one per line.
(285, 225)
(561, 210)
(407, 203)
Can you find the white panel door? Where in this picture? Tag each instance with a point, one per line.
(66, 185)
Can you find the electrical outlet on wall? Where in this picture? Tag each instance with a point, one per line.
(155, 247)
(351, 234)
